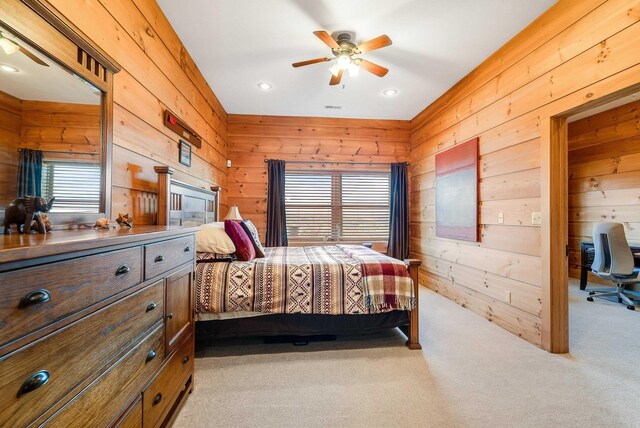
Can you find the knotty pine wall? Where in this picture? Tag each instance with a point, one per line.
(10, 139)
(575, 53)
(157, 73)
(604, 176)
(252, 139)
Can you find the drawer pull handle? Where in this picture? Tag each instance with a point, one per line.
(151, 306)
(34, 297)
(34, 382)
(159, 258)
(185, 360)
(187, 249)
(157, 399)
(170, 316)
(123, 269)
(151, 355)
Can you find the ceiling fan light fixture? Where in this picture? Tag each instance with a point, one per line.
(8, 46)
(335, 69)
(354, 69)
(343, 61)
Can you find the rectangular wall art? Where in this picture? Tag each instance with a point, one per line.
(457, 192)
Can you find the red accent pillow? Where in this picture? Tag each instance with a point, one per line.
(244, 246)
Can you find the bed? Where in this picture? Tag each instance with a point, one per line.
(292, 291)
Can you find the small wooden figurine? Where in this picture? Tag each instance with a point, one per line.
(125, 221)
(47, 223)
(102, 223)
(23, 211)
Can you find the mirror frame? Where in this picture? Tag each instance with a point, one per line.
(36, 22)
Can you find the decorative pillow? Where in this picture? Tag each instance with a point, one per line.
(212, 238)
(244, 246)
(252, 232)
(213, 257)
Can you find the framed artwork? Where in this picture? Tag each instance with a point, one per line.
(185, 153)
(457, 192)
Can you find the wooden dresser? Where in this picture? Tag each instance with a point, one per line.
(96, 327)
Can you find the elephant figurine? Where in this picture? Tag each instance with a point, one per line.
(23, 211)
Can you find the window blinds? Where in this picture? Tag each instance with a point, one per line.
(76, 186)
(337, 206)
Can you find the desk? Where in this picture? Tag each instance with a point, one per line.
(587, 253)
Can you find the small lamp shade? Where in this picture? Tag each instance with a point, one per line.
(233, 214)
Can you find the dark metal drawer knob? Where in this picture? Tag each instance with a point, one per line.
(159, 258)
(187, 249)
(151, 306)
(34, 382)
(185, 360)
(157, 399)
(151, 355)
(35, 297)
(123, 269)
(170, 316)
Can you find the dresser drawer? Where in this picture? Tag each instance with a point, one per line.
(159, 397)
(107, 396)
(34, 378)
(133, 418)
(35, 297)
(160, 257)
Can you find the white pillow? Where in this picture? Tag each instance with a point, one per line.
(211, 238)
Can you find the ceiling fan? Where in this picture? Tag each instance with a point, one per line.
(343, 50)
(10, 47)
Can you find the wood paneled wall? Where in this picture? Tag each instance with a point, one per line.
(157, 73)
(10, 139)
(604, 176)
(575, 53)
(252, 139)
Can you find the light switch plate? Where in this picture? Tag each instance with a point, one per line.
(507, 296)
(536, 218)
(500, 218)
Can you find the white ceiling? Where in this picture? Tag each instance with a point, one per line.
(238, 43)
(36, 82)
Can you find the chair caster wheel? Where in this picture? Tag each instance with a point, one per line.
(590, 299)
(591, 293)
(631, 307)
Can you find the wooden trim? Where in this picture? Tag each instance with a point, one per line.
(413, 334)
(42, 8)
(164, 194)
(554, 234)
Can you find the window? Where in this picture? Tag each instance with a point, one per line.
(337, 206)
(76, 186)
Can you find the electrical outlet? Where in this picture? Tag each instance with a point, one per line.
(500, 218)
(536, 218)
(507, 296)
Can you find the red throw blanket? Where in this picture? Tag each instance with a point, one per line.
(387, 283)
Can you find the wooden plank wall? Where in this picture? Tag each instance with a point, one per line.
(604, 176)
(575, 53)
(10, 128)
(157, 73)
(252, 139)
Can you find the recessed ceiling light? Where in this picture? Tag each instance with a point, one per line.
(264, 86)
(8, 68)
(389, 92)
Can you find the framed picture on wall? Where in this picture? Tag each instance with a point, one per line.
(185, 153)
(457, 192)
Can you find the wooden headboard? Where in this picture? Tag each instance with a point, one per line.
(180, 202)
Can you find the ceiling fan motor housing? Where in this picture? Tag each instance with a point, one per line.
(345, 40)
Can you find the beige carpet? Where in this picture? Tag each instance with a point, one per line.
(470, 373)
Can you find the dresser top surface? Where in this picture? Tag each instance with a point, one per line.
(16, 247)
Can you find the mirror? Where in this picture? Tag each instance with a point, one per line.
(51, 131)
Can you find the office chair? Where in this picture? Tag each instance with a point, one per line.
(613, 261)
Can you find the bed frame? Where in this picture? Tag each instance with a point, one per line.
(180, 203)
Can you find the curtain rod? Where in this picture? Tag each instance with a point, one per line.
(62, 153)
(338, 162)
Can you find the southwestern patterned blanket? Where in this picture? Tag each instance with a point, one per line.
(345, 279)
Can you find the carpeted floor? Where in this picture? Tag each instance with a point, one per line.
(470, 373)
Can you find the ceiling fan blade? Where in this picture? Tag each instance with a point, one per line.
(309, 62)
(376, 69)
(327, 39)
(373, 44)
(336, 79)
(33, 57)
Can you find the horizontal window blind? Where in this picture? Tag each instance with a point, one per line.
(76, 186)
(337, 206)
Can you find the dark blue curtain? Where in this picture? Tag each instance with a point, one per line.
(398, 245)
(30, 173)
(276, 215)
